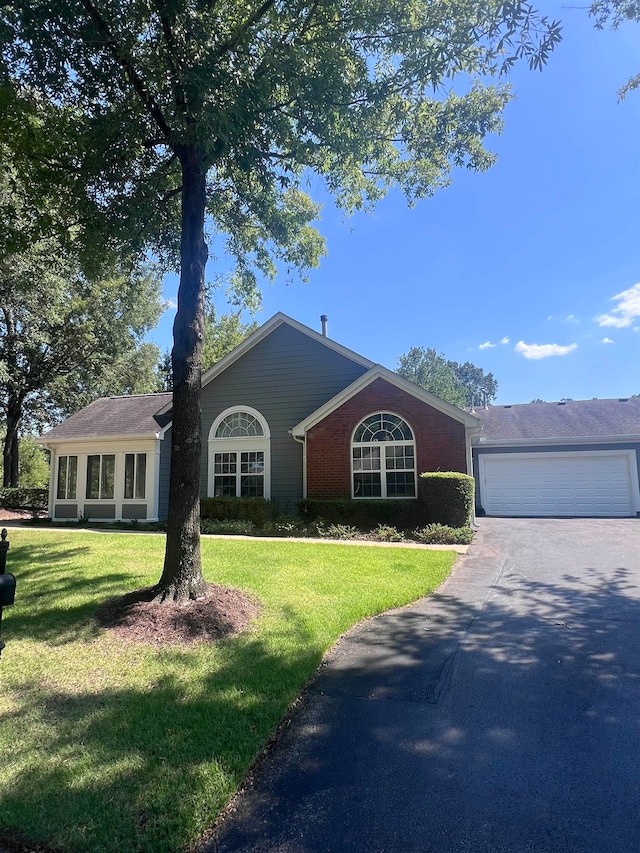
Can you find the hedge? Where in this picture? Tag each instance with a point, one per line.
(22, 498)
(447, 497)
(365, 515)
(256, 510)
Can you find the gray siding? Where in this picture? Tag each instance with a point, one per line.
(285, 377)
(547, 448)
(165, 469)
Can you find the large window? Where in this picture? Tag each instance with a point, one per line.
(239, 474)
(135, 475)
(383, 454)
(67, 478)
(101, 475)
(239, 455)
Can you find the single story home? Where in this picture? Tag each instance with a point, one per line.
(572, 458)
(287, 414)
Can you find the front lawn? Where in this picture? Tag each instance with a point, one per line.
(106, 746)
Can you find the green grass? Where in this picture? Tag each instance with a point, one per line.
(113, 747)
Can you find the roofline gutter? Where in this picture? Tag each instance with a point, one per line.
(573, 439)
(92, 439)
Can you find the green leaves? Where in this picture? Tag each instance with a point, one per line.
(459, 384)
(354, 90)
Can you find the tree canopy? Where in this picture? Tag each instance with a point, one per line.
(186, 110)
(66, 339)
(459, 384)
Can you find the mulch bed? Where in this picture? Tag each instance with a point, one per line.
(137, 618)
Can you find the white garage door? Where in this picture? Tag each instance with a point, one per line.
(571, 484)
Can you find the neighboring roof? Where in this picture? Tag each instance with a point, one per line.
(115, 417)
(570, 419)
(380, 372)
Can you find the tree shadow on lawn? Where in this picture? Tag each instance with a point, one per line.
(148, 769)
(47, 579)
(512, 726)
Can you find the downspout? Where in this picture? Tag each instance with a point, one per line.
(155, 507)
(53, 458)
(303, 442)
(470, 432)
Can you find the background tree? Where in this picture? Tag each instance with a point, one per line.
(66, 339)
(34, 463)
(459, 384)
(222, 333)
(229, 107)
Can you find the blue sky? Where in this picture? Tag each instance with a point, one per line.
(530, 270)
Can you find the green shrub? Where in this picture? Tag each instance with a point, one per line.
(256, 510)
(447, 497)
(282, 526)
(386, 533)
(22, 498)
(228, 527)
(365, 514)
(338, 531)
(442, 534)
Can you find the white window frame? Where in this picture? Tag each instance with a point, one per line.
(100, 497)
(383, 471)
(136, 476)
(67, 496)
(238, 445)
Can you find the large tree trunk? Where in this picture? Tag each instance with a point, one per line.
(182, 574)
(10, 455)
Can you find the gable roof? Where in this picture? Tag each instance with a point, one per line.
(380, 372)
(111, 417)
(564, 420)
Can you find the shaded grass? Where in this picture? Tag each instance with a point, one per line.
(112, 747)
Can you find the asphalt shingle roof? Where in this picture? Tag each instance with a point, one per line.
(574, 418)
(115, 416)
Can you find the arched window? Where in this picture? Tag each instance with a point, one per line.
(383, 458)
(239, 450)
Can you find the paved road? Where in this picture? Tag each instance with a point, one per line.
(501, 715)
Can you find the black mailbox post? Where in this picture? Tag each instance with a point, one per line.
(7, 582)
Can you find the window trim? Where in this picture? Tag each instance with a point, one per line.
(67, 496)
(383, 467)
(135, 453)
(101, 457)
(259, 443)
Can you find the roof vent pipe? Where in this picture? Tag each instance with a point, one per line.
(323, 320)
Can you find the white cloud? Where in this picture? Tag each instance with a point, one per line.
(571, 318)
(606, 341)
(536, 351)
(490, 345)
(171, 304)
(625, 312)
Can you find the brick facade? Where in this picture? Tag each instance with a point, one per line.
(440, 440)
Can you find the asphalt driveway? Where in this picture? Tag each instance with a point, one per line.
(500, 714)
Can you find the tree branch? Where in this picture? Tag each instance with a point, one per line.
(126, 63)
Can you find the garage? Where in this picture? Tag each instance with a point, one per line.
(570, 458)
(597, 483)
